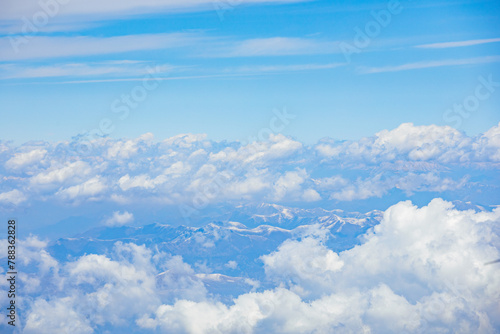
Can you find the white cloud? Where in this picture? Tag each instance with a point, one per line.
(120, 219)
(54, 47)
(15, 197)
(97, 10)
(445, 45)
(112, 68)
(277, 147)
(232, 264)
(126, 149)
(186, 140)
(290, 184)
(283, 68)
(301, 263)
(59, 174)
(419, 270)
(20, 160)
(92, 187)
(363, 189)
(276, 46)
(441, 144)
(378, 185)
(56, 317)
(188, 167)
(426, 266)
(431, 64)
(311, 195)
(408, 138)
(140, 181)
(488, 144)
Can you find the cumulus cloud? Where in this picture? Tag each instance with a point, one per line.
(120, 219)
(189, 169)
(419, 270)
(424, 265)
(59, 174)
(127, 149)
(13, 197)
(290, 186)
(300, 263)
(56, 317)
(90, 188)
(23, 159)
(442, 144)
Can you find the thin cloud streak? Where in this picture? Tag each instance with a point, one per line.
(96, 10)
(429, 64)
(91, 69)
(234, 73)
(273, 46)
(57, 47)
(445, 45)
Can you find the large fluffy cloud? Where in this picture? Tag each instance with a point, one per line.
(191, 170)
(420, 270)
(442, 144)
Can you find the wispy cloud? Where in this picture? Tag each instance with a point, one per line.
(94, 10)
(91, 69)
(135, 72)
(284, 68)
(457, 44)
(430, 64)
(57, 47)
(274, 46)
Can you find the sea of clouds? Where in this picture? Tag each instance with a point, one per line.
(422, 269)
(195, 171)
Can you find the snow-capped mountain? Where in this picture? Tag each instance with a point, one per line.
(225, 252)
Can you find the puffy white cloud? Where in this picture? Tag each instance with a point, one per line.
(289, 186)
(127, 149)
(231, 264)
(20, 160)
(119, 219)
(90, 188)
(442, 144)
(378, 185)
(59, 174)
(408, 138)
(277, 147)
(187, 140)
(15, 197)
(56, 316)
(140, 181)
(191, 169)
(96, 290)
(488, 144)
(311, 195)
(300, 263)
(419, 270)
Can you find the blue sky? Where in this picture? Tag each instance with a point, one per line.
(251, 166)
(224, 68)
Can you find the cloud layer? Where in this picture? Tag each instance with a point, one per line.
(190, 170)
(419, 270)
